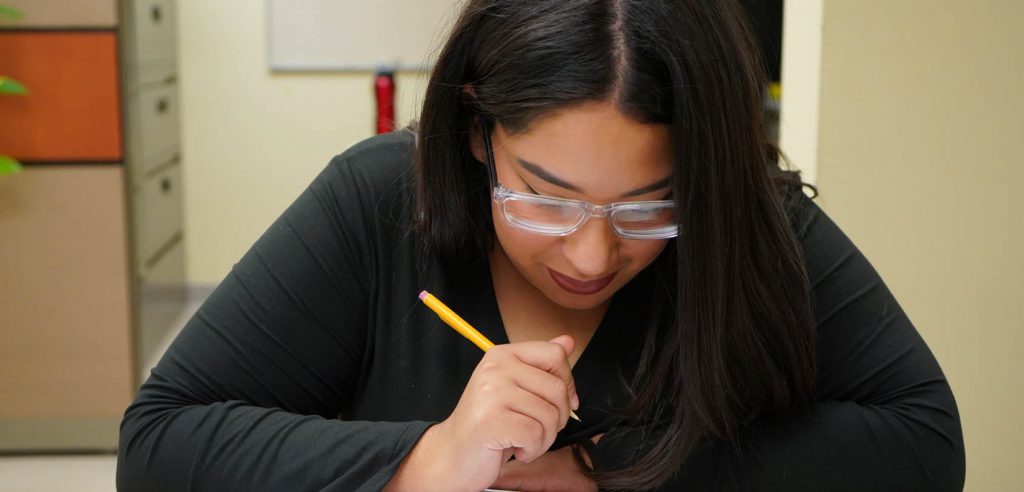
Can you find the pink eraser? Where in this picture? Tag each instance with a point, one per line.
(423, 295)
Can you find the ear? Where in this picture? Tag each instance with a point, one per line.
(476, 142)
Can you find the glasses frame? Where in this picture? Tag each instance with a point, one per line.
(502, 195)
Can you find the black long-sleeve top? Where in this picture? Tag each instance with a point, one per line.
(313, 366)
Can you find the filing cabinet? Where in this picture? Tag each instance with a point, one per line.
(92, 275)
(153, 153)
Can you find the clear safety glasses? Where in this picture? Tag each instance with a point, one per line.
(656, 219)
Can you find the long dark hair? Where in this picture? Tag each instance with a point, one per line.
(740, 345)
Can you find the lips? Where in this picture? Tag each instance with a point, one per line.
(581, 287)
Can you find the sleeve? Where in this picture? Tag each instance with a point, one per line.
(248, 395)
(884, 418)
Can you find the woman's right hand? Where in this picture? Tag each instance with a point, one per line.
(516, 401)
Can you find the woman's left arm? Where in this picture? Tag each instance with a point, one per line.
(556, 470)
(884, 416)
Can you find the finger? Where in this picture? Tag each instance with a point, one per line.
(545, 385)
(546, 356)
(499, 371)
(540, 410)
(525, 434)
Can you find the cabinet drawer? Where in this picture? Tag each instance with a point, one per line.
(156, 116)
(154, 30)
(164, 275)
(158, 212)
(152, 73)
(62, 13)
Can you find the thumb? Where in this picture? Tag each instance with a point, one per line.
(566, 342)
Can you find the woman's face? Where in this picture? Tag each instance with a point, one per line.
(587, 152)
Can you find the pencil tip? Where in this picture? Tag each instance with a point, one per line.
(423, 295)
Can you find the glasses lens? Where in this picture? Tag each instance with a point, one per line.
(645, 219)
(542, 215)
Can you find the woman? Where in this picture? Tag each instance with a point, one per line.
(591, 186)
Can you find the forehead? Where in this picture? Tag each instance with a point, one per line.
(596, 148)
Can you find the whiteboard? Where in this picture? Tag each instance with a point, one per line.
(356, 35)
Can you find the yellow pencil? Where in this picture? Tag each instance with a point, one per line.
(460, 325)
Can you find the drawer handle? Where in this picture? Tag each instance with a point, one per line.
(165, 185)
(156, 14)
(162, 105)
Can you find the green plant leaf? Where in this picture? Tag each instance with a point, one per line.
(11, 86)
(8, 165)
(10, 12)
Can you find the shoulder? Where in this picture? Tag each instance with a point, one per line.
(801, 211)
(367, 187)
(824, 245)
(388, 150)
(379, 162)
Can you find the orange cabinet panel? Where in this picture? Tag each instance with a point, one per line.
(73, 111)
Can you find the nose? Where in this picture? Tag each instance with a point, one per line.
(593, 250)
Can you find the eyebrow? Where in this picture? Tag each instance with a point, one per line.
(543, 174)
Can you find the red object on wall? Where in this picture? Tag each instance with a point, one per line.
(72, 112)
(384, 89)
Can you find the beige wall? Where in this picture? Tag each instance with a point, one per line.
(253, 140)
(801, 76)
(919, 159)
